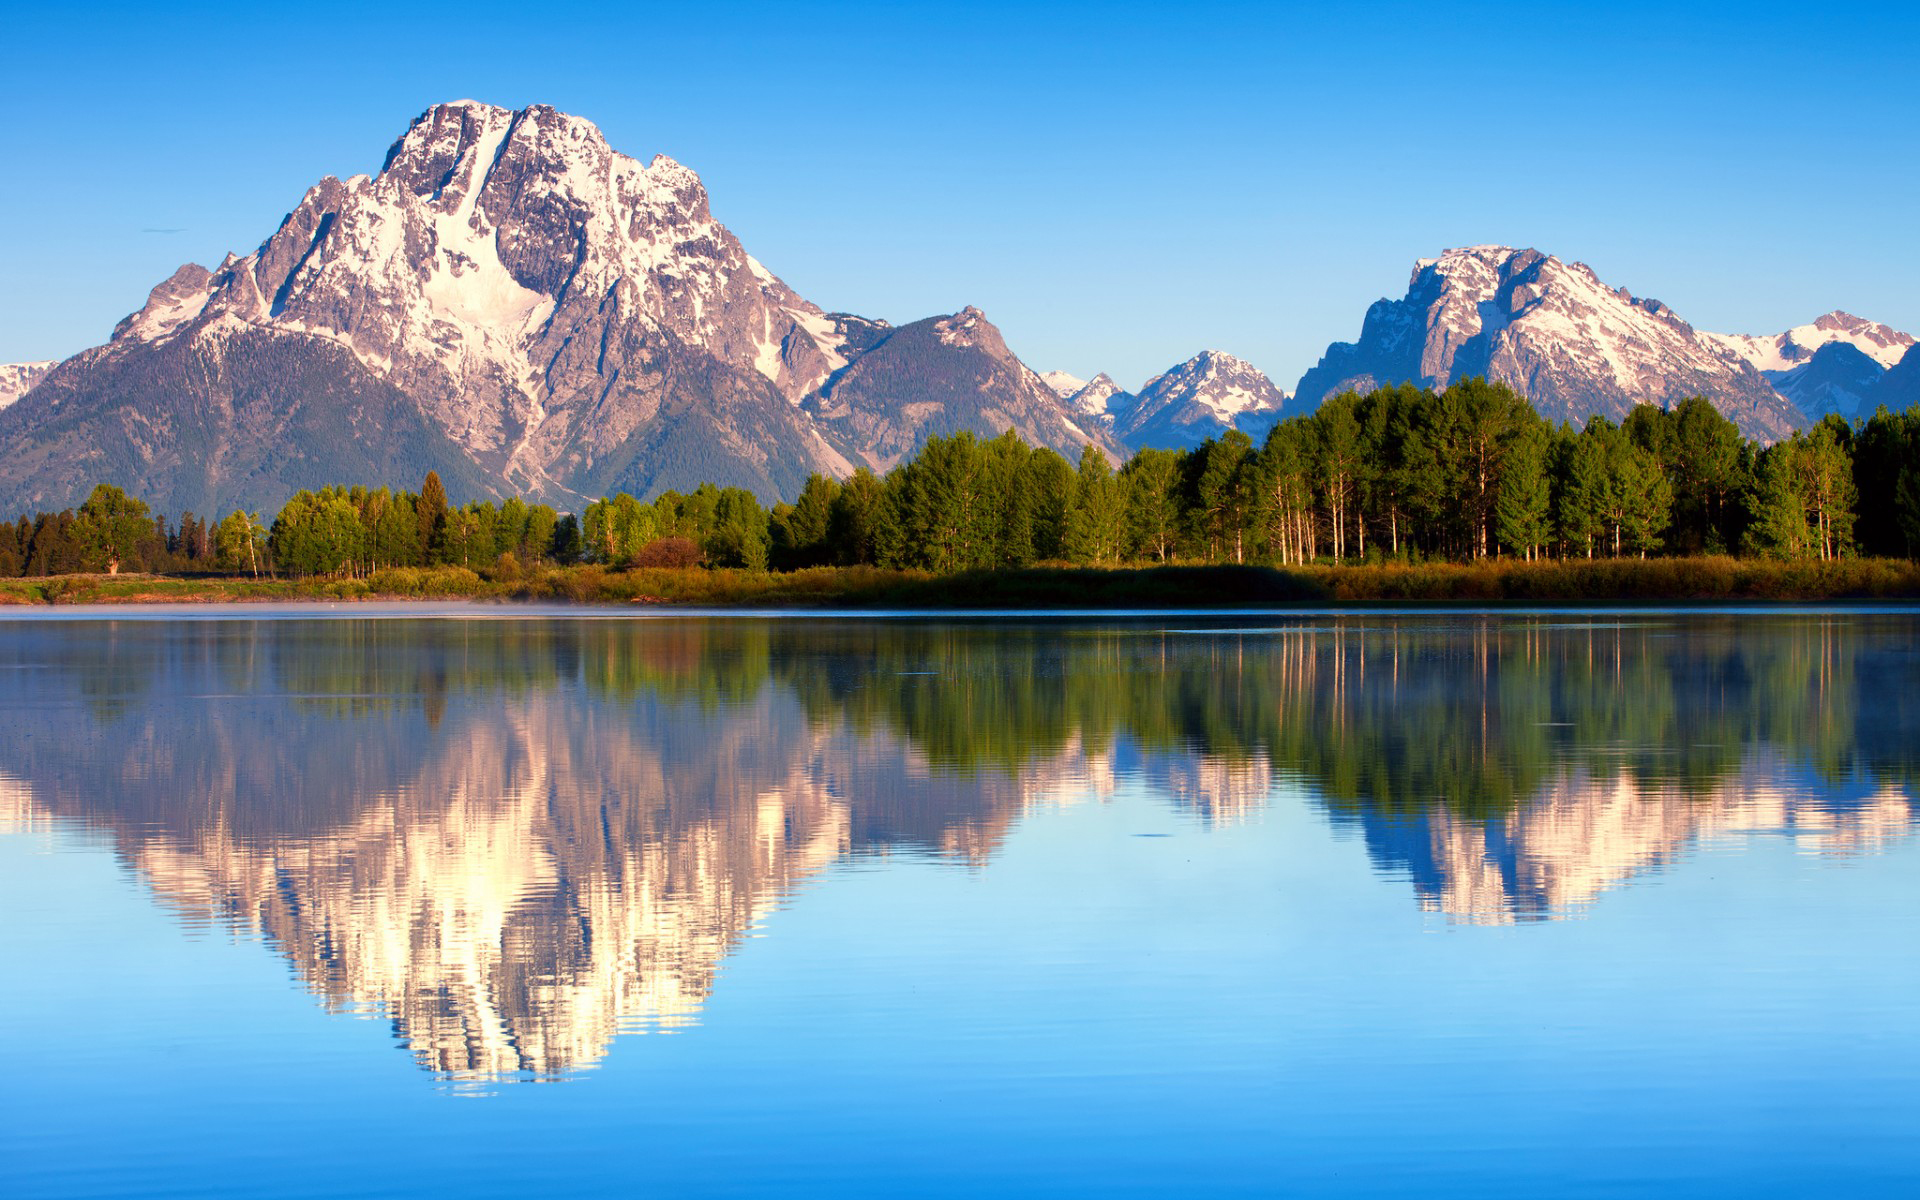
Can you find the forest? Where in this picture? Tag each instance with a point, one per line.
(1403, 474)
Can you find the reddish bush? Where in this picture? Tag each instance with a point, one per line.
(667, 552)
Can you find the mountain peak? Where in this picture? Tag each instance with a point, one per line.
(970, 327)
(1202, 397)
(1064, 384)
(1099, 399)
(1552, 330)
(517, 304)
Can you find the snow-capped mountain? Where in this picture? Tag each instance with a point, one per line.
(1203, 397)
(1062, 383)
(1555, 333)
(1100, 400)
(515, 304)
(1831, 365)
(17, 379)
(1785, 351)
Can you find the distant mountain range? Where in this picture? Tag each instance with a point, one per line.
(512, 303)
(1183, 406)
(1575, 346)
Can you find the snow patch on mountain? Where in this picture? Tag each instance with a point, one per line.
(17, 379)
(1062, 383)
(1785, 351)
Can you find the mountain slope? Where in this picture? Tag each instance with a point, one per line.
(940, 376)
(1553, 331)
(193, 424)
(1899, 388)
(560, 318)
(1203, 397)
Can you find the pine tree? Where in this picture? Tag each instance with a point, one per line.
(1223, 489)
(1582, 498)
(1522, 513)
(1096, 515)
(850, 519)
(431, 510)
(1778, 525)
(1152, 481)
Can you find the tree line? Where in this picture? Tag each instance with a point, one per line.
(1400, 474)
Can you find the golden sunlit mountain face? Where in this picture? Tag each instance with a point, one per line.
(516, 841)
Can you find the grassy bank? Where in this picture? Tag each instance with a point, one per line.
(1653, 580)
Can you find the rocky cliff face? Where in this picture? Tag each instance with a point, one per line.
(555, 318)
(1203, 397)
(1554, 332)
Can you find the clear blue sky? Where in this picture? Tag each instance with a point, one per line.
(1118, 186)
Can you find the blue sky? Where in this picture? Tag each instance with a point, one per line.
(1118, 186)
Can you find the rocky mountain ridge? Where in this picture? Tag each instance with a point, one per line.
(1785, 351)
(513, 303)
(1553, 331)
(1201, 398)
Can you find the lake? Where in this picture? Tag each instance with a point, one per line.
(510, 902)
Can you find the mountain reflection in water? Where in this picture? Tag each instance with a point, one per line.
(518, 839)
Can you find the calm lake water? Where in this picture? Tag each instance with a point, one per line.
(1346, 904)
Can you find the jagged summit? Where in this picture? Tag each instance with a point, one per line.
(1201, 398)
(513, 302)
(1100, 399)
(1552, 330)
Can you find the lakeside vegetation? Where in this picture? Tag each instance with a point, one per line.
(1403, 494)
(1682, 580)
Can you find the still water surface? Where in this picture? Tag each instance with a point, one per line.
(1345, 904)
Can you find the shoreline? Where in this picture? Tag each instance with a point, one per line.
(1495, 585)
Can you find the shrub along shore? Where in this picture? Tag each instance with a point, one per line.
(1497, 582)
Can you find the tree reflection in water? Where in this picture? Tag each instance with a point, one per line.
(517, 838)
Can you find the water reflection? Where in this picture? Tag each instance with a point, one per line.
(516, 840)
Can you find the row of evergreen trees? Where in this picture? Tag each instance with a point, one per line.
(1402, 473)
